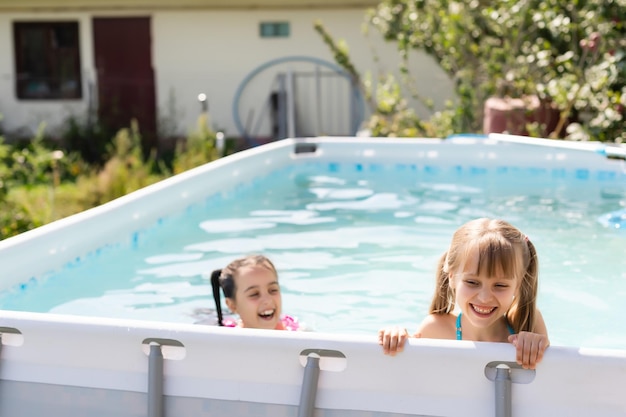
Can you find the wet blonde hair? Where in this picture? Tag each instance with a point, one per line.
(502, 248)
(225, 278)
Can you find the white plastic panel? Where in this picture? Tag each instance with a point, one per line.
(431, 377)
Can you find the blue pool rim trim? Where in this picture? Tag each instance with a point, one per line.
(466, 135)
(613, 152)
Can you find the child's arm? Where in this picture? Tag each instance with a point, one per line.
(531, 345)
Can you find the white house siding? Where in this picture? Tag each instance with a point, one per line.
(178, 4)
(210, 51)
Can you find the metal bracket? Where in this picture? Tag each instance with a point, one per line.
(503, 374)
(329, 360)
(518, 374)
(11, 336)
(171, 349)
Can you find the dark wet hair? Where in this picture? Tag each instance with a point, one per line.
(225, 278)
(501, 248)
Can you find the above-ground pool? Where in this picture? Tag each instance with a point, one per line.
(355, 228)
(356, 241)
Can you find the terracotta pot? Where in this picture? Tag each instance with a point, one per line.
(510, 115)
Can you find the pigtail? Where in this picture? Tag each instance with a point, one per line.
(215, 285)
(522, 314)
(443, 300)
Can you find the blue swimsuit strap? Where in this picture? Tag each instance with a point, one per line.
(459, 332)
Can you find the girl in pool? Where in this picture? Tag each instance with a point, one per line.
(490, 274)
(251, 290)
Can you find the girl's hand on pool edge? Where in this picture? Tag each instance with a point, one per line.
(392, 339)
(529, 348)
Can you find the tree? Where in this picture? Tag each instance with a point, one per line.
(571, 54)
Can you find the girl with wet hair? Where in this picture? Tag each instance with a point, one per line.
(486, 290)
(251, 290)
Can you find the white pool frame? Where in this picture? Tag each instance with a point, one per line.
(87, 366)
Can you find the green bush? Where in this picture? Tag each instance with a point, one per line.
(36, 162)
(87, 137)
(40, 184)
(198, 148)
(569, 53)
(14, 220)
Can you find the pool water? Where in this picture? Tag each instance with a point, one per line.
(356, 247)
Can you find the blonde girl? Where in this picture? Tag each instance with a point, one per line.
(486, 290)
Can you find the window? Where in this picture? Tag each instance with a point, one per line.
(274, 29)
(47, 60)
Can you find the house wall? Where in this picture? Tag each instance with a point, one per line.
(211, 51)
(178, 4)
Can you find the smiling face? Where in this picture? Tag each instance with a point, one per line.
(488, 262)
(484, 294)
(257, 298)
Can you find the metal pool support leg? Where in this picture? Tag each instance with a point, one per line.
(309, 386)
(503, 391)
(0, 345)
(503, 375)
(334, 361)
(155, 381)
(10, 336)
(158, 349)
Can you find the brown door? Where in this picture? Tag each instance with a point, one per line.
(123, 55)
